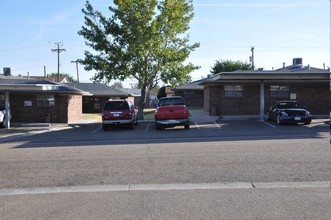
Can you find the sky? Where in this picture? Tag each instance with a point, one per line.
(226, 30)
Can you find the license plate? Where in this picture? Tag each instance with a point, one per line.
(116, 115)
(297, 118)
(170, 122)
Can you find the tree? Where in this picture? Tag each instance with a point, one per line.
(117, 85)
(229, 66)
(161, 93)
(143, 39)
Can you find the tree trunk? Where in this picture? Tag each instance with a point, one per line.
(142, 101)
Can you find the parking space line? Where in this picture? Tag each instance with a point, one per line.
(196, 124)
(93, 132)
(217, 125)
(147, 127)
(269, 124)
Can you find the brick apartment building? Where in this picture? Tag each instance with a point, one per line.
(37, 101)
(253, 92)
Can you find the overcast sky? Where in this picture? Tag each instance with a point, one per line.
(226, 29)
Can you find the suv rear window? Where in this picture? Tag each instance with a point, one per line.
(171, 101)
(116, 105)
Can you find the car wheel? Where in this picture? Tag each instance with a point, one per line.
(187, 126)
(279, 120)
(104, 127)
(268, 116)
(307, 122)
(133, 125)
(158, 127)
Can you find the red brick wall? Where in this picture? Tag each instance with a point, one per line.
(75, 108)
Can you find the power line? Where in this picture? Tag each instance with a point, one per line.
(58, 50)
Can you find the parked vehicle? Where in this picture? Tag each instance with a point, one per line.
(171, 112)
(289, 112)
(119, 112)
(2, 118)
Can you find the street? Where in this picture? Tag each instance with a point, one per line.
(224, 170)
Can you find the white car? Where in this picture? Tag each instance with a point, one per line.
(2, 118)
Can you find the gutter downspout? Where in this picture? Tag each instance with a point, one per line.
(7, 110)
(262, 101)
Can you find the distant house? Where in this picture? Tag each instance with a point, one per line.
(252, 92)
(36, 101)
(192, 92)
(133, 95)
(97, 95)
(62, 78)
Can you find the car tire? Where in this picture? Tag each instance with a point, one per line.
(268, 116)
(278, 119)
(133, 125)
(307, 122)
(187, 126)
(104, 127)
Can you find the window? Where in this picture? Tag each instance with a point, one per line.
(279, 91)
(45, 100)
(233, 91)
(97, 104)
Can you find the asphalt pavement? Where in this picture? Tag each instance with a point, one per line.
(198, 116)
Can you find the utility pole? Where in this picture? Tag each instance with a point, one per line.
(58, 50)
(252, 58)
(77, 62)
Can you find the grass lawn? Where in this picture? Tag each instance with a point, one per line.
(96, 117)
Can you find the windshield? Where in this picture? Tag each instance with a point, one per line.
(288, 105)
(117, 105)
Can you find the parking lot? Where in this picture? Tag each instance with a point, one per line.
(144, 132)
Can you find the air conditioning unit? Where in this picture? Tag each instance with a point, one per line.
(297, 61)
(7, 71)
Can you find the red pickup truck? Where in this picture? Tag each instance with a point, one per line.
(171, 112)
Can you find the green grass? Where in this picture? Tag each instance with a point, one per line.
(149, 113)
(96, 117)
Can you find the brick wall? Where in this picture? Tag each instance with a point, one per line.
(313, 96)
(74, 108)
(193, 98)
(67, 109)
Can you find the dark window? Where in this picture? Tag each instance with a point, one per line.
(188, 94)
(233, 91)
(171, 101)
(45, 100)
(277, 91)
(96, 104)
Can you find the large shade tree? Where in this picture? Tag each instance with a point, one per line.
(229, 66)
(142, 39)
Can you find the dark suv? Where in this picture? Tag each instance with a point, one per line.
(118, 112)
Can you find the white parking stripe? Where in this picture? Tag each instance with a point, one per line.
(159, 187)
(147, 127)
(217, 125)
(269, 124)
(196, 124)
(93, 132)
